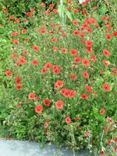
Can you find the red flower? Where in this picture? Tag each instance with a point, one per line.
(43, 30)
(85, 62)
(115, 33)
(58, 84)
(106, 87)
(68, 120)
(35, 48)
(106, 53)
(76, 32)
(14, 33)
(75, 23)
(39, 109)
(77, 59)
(64, 50)
(31, 96)
(44, 70)
(54, 40)
(93, 58)
(86, 75)
(15, 41)
(73, 77)
(56, 69)
(24, 31)
(21, 61)
(35, 62)
(105, 63)
(59, 104)
(102, 111)
(55, 49)
(76, 11)
(88, 89)
(8, 73)
(84, 96)
(17, 80)
(48, 65)
(47, 102)
(88, 43)
(73, 52)
(108, 36)
(68, 93)
(18, 86)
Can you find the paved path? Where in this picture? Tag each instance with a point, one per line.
(25, 148)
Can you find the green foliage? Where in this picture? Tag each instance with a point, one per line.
(34, 48)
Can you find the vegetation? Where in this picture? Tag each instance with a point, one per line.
(58, 69)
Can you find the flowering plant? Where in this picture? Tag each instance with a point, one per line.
(61, 78)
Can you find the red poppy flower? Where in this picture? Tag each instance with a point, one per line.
(44, 70)
(102, 111)
(73, 52)
(85, 62)
(93, 58)
(8, 73)
(106, 53)
(35, 48)
(17, 80)
(35, 62)
(64, 50)
(76, 10)
(115, 33)
(39, 109)
(75, 23)
(77, 59)
(15, 41)
(14, 33)
(84, 96)
(47, 102)
(88, 89)
(43, 30)
(54, 40)
(24, 31)
(31, 96)
(88, 43)
(76, 32)
(59, 104)
(106, 87)
(58, 84)
(21, 61)
(105, 63)
(18, 86)
(55, 49)
(85, 75)
(68, 93)
(56, 69)
(108, 36)
(68, 120)
(48, 65)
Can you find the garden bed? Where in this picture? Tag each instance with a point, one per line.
(58, 74)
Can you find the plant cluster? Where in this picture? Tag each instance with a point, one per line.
(60, 82)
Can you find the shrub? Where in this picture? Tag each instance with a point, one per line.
(61, 79)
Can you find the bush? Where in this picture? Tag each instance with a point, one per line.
(60, 82)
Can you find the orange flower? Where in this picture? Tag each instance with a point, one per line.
(39, 109)
(31, 96)
(59, 104)
(102, 111)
